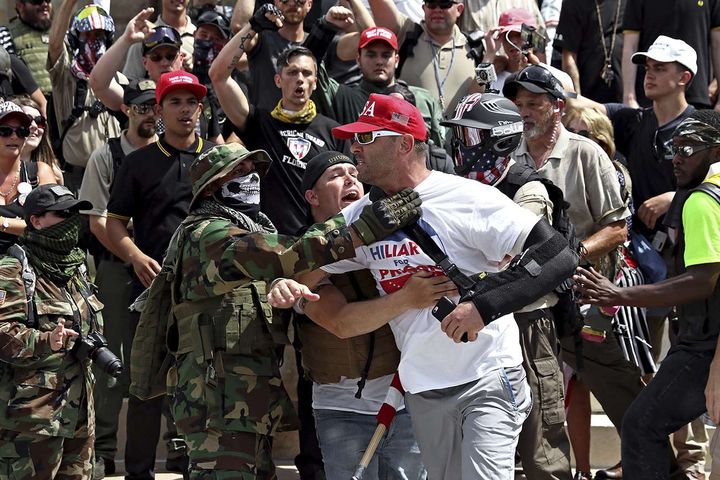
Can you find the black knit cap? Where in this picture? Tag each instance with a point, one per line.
(318, 164)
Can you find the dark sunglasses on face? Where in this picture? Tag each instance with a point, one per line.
(7, 131)
(64, 213)
(582, 133)
(40, 121)
(687, 151)
(141, 109)
(37, 2)
(156, 57)
(444, 4)
(299, 2)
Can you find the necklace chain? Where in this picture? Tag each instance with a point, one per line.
(14, 184)
(607, 73)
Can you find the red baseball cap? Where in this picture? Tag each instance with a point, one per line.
(179, 80)
(379, 34)
(386, 112)
(512, 20)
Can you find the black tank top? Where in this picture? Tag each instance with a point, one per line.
(29, 174)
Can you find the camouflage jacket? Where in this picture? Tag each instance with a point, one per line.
(44, 392)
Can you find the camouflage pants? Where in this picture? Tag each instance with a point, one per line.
(228, 424)
(39, 457)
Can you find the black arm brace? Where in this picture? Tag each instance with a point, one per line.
(546, 261)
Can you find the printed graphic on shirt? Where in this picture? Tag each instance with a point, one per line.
(299, 145)
(396, 258)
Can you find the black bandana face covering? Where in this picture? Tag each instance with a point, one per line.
(241, 194)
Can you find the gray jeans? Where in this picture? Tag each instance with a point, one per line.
(471, 431)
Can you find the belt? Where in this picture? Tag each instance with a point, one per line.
(530, 316)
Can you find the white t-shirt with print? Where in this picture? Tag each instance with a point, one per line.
(477, 227)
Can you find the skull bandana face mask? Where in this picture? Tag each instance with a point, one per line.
(241, 194)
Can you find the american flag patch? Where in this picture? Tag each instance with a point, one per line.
(3, 295)
(400, 118)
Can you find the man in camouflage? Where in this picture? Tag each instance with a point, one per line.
(46, 406)
(227, 396)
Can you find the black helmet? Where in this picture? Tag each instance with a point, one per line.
(484, 123)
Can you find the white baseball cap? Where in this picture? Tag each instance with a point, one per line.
(665, 49)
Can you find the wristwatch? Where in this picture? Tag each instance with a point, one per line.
(5, 224)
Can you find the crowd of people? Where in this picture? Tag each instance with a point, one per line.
(477, 212)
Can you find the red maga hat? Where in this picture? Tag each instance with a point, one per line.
(378, 34)
(179, 80)
(386, 112)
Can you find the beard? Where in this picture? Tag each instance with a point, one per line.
(146, 131)
(541, 127)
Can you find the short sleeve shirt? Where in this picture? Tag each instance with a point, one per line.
(153, 188)
(585, 174)
(701, 226)
(87, 133)
(98, 177)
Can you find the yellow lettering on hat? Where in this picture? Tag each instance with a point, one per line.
(369, 110)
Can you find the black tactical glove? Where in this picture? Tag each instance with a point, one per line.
(387, 215)
(259, 21)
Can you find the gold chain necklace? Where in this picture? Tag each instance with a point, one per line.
(607, 73)
(14, 184)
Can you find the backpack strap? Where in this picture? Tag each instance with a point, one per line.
(709, 188)
(118, 156)
(406, 49)
(29, 281)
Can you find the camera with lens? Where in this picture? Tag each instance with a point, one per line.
(96, 109)
(485, 74)
(94, 347)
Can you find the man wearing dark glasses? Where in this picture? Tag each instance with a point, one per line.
(687, 383)
(173, 14)
(439, 60)
(83, 122)
(644, 136)
(589, 183)
(113, 277)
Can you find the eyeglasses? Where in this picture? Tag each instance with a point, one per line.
(7, 131)
(156, 57)
(687, 151)
(298, 2)
(37, 2)
(444, 4)
(40, 121)
(367, 138)
(141, 108)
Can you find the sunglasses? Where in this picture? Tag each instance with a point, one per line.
(369, 137)
(64, 213)
(37, 2)
(442, 4)
(162, 36)
(156, 57)
(687, 151)
(40, 121)
(582, 133)
(298, 2)
(141, 109)
(21, 131)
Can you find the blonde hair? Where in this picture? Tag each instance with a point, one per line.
(598, 124)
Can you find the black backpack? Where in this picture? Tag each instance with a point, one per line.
(568, 321)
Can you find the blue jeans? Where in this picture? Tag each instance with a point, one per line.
(674, 397)
(344, 436)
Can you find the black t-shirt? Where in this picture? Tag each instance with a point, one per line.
(648, 152)
(345, 72)
(690, 21)
(290, 146)
(152, 187)
(578, 31)
(22, 82)
(262, 63)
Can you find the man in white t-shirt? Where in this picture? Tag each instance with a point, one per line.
(467, 400)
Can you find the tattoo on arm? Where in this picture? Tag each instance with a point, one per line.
(236, 58)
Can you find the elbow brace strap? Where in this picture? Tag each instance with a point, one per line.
(543, 265)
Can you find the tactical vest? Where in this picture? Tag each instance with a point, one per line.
(326, 357)
(699, 323)
(32, 47)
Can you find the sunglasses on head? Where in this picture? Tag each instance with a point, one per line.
(687, 151)
(369, 137)
(156, 57)
(162, 35)
(443, 4)
(7, 131)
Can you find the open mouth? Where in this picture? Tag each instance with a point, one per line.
(299, 91)
(351, 197)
